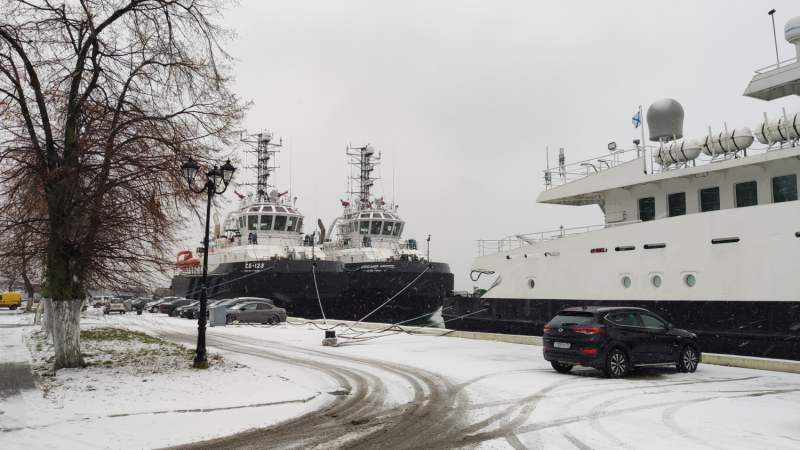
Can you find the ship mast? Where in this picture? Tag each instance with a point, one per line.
(262, 146)
(363, 162)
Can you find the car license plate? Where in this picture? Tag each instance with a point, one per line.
(561, 344)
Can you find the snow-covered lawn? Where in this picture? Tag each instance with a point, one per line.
(508, 396)
(137, 392)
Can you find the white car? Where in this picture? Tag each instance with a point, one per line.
(115, 305)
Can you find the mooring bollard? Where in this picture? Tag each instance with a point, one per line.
(330, 338)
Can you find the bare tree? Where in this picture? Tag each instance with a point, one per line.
(102, 100)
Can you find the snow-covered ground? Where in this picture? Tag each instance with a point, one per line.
(446, 393)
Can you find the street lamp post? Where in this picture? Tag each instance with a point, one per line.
(215, 177)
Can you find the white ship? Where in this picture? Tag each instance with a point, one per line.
(705, 231)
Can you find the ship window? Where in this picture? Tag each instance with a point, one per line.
(656, 280)
(677, 204)
(254, 209)
(365, 215)
(376, 227)
(784, 189)
(364, 229)
(280, 209)
(398, 229)
(266, 223)
(241, 222)
(689, 280)
(709, 199)
(300, 225)
(252, 222)
(280, 223)
(292, 211)
(626, 282)
(291, 223)
(266, 209)
(647, 209)
(377, 216)
(387, 228)
(746, 194)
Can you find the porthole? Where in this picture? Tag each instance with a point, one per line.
(689, 280)
(656, 281)
(626, 282)
(531, 283)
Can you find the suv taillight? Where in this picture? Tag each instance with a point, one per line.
(588, 330)
(547, 328)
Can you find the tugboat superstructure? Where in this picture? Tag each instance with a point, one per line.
(380, 263)
(260, 250)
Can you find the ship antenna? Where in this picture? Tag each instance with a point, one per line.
(264, 150)
(775, 35)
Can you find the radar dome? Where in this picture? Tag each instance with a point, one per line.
(665, 120)
(791, 32)
(266, 136)
(369, 150)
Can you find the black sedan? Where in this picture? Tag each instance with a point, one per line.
(169, 307)
(616, 340)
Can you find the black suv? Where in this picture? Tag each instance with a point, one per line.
(616, 340)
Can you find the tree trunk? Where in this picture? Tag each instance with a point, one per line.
(47, 318)
(67, 333)
(37, 319)
(28, 287)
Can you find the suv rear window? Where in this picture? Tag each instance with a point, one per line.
(565, 318)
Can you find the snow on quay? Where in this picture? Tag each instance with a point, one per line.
(504, 395)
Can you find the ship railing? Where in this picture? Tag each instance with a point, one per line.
(567, 173)
(778, 65)
(561, 175)
(491, 246)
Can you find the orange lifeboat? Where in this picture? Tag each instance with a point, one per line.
(187, 260)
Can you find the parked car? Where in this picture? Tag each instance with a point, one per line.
(258, 312)
(11, 300)
(153, 306)
(169, 307)
(180, 311)
(239, 300)
(616, 340)
(102, 301)
(115, 305)
(191, 312)
(138, 303)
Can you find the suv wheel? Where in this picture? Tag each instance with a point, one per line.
(617, 364)
(561, 368)
(688, 359)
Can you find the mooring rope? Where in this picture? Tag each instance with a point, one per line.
(387, 301)
(314, 271)
(358, 337)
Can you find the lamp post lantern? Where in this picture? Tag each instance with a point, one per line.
(214, 178)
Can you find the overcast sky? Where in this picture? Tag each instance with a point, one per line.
(462, 98)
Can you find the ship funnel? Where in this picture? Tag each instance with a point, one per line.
(665, 120)
(791, 32)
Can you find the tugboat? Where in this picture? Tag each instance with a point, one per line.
(381, 265)
(704, 231)
(262, 251)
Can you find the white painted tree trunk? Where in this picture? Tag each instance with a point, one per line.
(37, 319)
(47, 317)
(67, 333)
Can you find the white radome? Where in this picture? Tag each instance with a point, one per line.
(369, 150)
(791, 31)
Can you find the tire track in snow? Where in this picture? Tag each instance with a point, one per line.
(362, 420)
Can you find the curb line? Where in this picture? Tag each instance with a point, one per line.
(745, 362)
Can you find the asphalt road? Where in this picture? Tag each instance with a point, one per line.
(446, 412)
